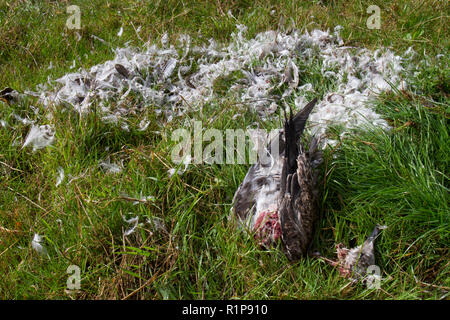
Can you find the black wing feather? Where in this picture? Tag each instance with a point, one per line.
(298, 207)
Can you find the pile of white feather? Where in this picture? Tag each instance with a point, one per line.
(163, 75)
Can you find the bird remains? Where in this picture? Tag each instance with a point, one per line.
(353, 263)
(278, 200)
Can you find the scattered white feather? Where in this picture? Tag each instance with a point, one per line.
(60, 224)
(134, 222)
(145, 199)
(36, 244)
(186, 161)
(39, 137)
(165, 39)
(60, 177)
(172, 171)
(110, 167)
(157, 224)
(119, 34)
(99, 39)
(25, 121)
(143, 125)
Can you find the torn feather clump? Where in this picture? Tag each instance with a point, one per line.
(39, 137)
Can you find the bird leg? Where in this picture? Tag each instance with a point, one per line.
(317, 255)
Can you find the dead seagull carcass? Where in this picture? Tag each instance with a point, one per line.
(278, 200)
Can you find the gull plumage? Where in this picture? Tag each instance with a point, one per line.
(278, 198)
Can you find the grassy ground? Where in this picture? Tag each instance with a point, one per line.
(399, 178)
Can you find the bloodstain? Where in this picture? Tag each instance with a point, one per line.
(267, 228)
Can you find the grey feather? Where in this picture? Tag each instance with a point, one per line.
(122, 71)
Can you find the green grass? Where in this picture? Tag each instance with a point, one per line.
(398, 178)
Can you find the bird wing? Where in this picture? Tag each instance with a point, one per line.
(260, 189)
(264, 176)
(298, 205)
(244, 198)
(298, 209)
